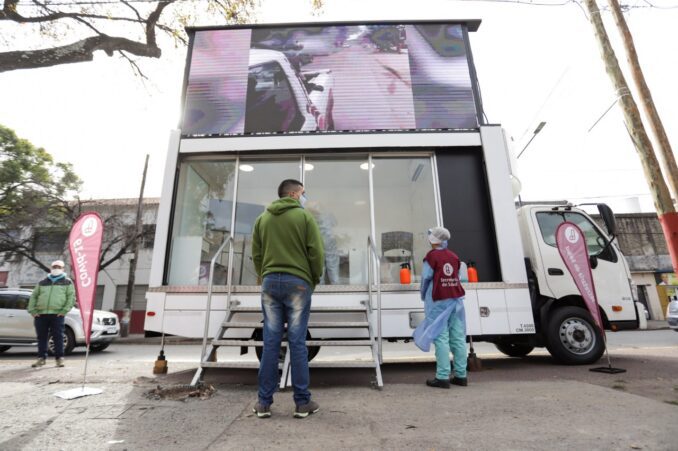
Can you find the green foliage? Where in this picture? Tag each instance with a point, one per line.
(35, 192)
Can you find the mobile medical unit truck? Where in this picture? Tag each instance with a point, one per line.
(383, 124)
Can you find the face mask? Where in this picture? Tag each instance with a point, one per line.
(443, 245)
(303, 199)
(56, 272)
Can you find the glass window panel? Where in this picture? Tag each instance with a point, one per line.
(404, 209)
(202, 221)
(596, 243)
(338, 197)
(258, 182)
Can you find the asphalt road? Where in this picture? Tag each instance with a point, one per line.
(527, 404)
(393, 352)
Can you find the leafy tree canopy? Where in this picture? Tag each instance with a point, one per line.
(39, 202)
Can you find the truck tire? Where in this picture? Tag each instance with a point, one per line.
(4, 348)
(259, 336)
(514, 349)
(573, 338)
(98, 347)
(69, 342)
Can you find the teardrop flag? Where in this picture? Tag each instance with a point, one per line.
(84, 244)
(571, 244)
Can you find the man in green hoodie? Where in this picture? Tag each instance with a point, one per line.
(287, 250)
(50, 301)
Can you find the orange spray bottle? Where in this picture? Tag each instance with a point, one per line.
(405, 274)
(472, 273)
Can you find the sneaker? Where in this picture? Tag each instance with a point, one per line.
(461, 381)
(306, 409)
(60, 363)
(438, 383)
(39, 362)
(261, 410)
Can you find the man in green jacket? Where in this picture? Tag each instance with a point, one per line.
(287, 250)
(50, 301)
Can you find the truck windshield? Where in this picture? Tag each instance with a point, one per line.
(595, 241)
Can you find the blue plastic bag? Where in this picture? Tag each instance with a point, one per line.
(428, 330)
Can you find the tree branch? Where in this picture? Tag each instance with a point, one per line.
(84, 49)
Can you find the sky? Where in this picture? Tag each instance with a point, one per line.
(534, 64)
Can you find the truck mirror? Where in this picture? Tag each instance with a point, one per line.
(594, 261)
(608, 218)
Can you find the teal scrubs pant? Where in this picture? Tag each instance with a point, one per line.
(452, 338)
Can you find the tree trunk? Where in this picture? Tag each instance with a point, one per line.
(666, 156)
(634, 125)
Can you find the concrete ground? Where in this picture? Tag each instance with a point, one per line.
(528, 403)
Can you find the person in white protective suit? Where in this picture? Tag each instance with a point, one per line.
(326, 222)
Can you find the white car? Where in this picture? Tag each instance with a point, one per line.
(672, 315)
(16, 325)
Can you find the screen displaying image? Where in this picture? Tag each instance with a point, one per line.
(329, 78)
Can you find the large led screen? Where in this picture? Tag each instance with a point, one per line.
(264, 80)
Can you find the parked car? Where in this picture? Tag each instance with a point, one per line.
(672, 315)
(16, 325)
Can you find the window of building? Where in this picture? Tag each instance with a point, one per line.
(50, 240)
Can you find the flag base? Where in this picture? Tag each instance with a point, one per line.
(79, 392)
(607, 370)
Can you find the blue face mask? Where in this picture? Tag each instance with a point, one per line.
(443, 245)
(303, 199)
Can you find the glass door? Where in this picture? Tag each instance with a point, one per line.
(404, 210)
(258, 182)
(338, 197)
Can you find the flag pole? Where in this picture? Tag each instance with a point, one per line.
(84, 376)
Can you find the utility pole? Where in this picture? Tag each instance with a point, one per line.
(634, 125)
(666, 157)
(138, 229)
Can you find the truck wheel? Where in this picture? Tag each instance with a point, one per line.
(573, 338)
(98, 347)
(514, 349)
(259, 336)
(69, 342)
(4, 348)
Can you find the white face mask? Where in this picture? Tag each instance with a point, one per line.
(56, 272)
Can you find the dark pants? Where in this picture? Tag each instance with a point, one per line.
(285, 299)
(46, 326)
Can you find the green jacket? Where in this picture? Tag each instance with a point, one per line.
(56, 298)
(287, 239)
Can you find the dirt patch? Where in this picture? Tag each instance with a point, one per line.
(180, 392)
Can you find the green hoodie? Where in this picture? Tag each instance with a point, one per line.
(287, 239)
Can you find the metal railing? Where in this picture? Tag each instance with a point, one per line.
(210, 284)
(374, 268)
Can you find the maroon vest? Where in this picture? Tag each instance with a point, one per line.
(445, 264)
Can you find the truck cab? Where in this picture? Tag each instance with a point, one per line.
(562, 321)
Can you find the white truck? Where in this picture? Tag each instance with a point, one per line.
(411, 151)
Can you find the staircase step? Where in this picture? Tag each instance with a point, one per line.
(356, 309)
(257, 343)
(230, 364)
(342, 364)
(311, 325)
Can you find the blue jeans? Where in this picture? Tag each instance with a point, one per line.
(46, 326)
(285, 299)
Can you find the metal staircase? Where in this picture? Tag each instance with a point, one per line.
(368, 316)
